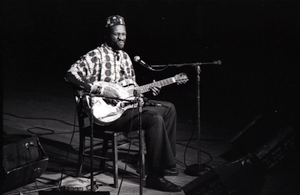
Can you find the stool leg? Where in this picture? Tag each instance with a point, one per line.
(115, 161)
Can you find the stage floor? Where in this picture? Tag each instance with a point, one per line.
(49, 115)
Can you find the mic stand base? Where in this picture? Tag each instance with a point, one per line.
(196, 170)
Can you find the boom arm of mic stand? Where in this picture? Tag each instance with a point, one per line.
(217, 62)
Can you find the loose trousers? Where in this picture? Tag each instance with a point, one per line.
(159, 122)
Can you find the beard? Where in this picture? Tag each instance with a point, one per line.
(118, 45)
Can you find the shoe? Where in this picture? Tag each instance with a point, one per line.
(160, 183)
(171, 172)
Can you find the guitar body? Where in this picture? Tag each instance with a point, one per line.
(105, 113)
(107, 110)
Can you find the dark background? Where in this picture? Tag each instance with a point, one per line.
(257, 42)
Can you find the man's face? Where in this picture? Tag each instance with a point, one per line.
(117, 37)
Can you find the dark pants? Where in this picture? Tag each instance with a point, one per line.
(159, 123)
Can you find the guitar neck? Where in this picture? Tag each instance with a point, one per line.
(161, 83)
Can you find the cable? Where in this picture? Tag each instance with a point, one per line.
(39, 118)
(187, 146)
(214, 140)
(217, 140)
(68, 152)
(197, 149)
(184, 155)
(42, 128)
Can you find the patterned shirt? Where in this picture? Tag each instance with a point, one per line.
(103, 64)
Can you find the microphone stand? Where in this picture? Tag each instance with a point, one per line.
(141, 146)
(196, 169)
(92, 144)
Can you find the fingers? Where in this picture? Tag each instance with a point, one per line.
(155, 89)
(155, 93)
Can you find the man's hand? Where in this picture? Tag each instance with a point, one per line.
(105, 91)
(155, 89)
(110, 92)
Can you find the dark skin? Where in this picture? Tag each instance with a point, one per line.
(116, 39)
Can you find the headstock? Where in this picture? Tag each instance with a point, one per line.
(181, 78)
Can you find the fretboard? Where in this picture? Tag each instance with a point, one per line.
(161, 83)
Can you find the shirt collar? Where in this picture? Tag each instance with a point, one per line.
(110, 48)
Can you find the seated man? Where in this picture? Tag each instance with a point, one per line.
(109, 63)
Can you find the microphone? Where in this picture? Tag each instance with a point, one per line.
(141, 62)
(218, 62)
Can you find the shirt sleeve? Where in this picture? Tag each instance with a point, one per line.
(80, 73)
(77, 83)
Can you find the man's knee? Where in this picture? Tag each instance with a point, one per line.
(158, 119)
(170, 106)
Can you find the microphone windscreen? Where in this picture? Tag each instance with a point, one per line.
(218, 62)
(137, 58)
